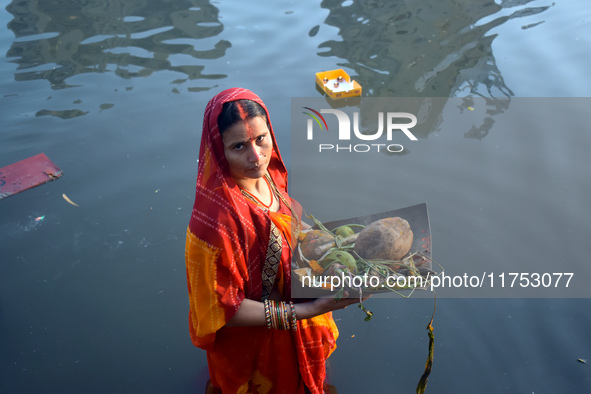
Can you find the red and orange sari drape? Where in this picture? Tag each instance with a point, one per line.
(227, 244)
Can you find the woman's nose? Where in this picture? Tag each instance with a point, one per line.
(254, 154)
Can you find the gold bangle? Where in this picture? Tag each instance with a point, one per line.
(267, 314)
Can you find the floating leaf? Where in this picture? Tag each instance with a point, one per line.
(70, 201)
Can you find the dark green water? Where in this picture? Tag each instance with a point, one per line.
(93, 298)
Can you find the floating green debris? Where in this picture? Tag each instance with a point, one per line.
(367, 312)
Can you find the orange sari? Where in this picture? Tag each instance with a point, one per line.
(227, 242)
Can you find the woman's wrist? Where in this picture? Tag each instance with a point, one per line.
(324, 305)
(319, 306)
(304, 310)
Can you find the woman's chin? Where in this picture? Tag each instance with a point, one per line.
(258, 172)
(254, 173)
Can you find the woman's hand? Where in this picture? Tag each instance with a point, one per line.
(323, 305)
(305, 226)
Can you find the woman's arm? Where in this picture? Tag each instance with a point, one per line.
(252, 313)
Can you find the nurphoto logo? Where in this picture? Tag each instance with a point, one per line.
(394, 121)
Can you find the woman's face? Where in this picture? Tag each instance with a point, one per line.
(248, 147)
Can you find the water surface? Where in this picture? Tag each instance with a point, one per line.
(93, 298)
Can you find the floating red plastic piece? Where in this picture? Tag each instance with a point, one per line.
(27, 173)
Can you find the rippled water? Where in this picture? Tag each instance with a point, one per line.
(93, 298)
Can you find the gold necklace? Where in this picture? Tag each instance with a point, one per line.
(287, 204)
(253, 198)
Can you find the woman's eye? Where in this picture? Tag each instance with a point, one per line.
(238, 146)
(261, 138)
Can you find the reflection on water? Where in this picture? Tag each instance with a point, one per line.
(411, 49)
(434, 49)
(58, 39)
(101, 287)
(406, 49)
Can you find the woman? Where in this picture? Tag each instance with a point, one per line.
(238, 255)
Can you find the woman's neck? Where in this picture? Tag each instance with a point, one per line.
(256, 186)
(261, 190)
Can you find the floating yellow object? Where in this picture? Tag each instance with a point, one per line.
(337, 84)
(68, 200)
